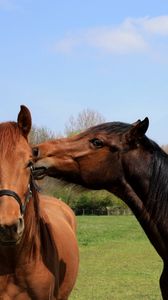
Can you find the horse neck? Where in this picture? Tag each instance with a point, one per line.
(151, 207)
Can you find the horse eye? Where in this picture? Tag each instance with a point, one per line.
(97, 143)
(35, 152)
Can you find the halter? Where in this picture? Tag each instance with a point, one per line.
(29, 193)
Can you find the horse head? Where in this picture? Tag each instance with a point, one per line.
(95, 158)
(15, 170)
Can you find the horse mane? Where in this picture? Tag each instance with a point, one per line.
(157, 198)
(109, 128)
(32, 225)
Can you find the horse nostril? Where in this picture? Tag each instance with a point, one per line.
(2, 228)
(17, 227)
(20, 221)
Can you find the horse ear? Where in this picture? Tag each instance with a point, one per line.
(136, 123)
(138, 130)
(24, 120)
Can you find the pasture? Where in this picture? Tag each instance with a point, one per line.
(116, 261)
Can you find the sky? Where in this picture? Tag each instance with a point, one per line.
(60, 57)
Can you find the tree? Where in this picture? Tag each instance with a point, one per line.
(85, 119)
(40, 134)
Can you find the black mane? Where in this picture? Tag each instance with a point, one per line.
(110, 127)
(157, 200)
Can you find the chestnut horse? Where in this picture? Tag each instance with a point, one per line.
(38, 247)
(120, 158)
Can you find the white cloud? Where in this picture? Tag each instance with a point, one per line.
(131, 36)
(67, 44)
(157, 25)
(119, 40)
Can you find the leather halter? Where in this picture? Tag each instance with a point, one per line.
(17, 198)
(14, 195)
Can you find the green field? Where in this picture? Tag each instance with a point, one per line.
(116, 261)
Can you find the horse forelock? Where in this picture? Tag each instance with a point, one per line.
(9, 136)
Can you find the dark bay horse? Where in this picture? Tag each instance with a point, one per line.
(120, 158)
(38, 247)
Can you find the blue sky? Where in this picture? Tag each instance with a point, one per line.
(60, 57)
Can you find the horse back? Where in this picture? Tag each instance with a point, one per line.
(56, 208)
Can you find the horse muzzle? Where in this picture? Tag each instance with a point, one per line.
(11, 234)
(39, 172)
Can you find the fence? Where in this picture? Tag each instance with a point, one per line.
(103, 211)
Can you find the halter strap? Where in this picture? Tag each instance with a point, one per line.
(15, 196)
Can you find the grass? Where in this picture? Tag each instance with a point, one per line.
(116, 261)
